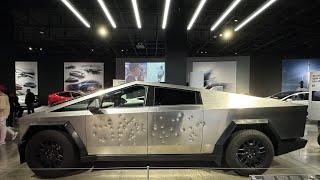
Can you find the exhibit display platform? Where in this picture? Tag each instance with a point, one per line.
(301, 162)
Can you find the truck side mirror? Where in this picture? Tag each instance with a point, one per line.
(94, 106)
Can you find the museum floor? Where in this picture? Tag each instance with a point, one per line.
(305, 161)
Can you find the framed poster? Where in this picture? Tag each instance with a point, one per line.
(86, 77)
(146, 71)
(220, 75)
(26, 78)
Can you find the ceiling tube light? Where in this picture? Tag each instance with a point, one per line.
(232, 6)
(136, 13)
(107, 13)
(255, 14)
(196, 13)
(76, 13)
(165, 14)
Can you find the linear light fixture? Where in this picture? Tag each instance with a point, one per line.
(165, 14)
(136, 12)
(107, 13)
(232, 6)
(196, 14)
(255, 14)
(76, 13)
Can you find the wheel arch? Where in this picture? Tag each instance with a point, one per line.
(64, 127)
(261, 125)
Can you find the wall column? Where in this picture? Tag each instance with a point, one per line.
(176, 44)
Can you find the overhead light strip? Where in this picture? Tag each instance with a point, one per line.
(165, 14)
(107, 13)
(76, 13)
(232, 6)
(196, 14)
(255, 14)
(136, 13)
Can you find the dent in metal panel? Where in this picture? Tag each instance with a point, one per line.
(216, 121)
(175, 131)
(123, 133)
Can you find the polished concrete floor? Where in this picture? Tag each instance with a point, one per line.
(304, 162)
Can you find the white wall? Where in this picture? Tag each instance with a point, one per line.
(243, 69)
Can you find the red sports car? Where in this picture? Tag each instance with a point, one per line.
(60, 97)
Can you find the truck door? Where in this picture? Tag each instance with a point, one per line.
(120, 125)
(175, 122)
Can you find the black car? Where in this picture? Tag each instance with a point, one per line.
(93, 70)
(84, 86)
(70, 67)
(30, 85)
(77, 74)
(72, 80)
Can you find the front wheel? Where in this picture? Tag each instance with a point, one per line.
(51, 153)
(250, 152)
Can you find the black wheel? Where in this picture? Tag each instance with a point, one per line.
(51, 153)
(250, 152)
(319, 139)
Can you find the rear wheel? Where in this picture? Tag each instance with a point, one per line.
(51, 153)
(250, 152)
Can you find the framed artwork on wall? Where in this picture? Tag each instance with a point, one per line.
(26, 76)
(221, 75)
(83, 76)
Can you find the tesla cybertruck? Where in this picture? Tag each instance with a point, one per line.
(160, 122)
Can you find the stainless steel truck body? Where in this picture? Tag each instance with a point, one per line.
(147, 121)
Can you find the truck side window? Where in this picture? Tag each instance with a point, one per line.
(131, 97)
(80, 106)
(169, 96)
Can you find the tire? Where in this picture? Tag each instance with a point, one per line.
(242, 151)
(63, 154)
(319, 139)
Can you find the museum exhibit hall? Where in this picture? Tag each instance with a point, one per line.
(160, 89)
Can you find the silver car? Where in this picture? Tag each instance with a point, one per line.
(161, 122)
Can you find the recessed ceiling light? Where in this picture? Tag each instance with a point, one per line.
(103, 32)
(227, 34)
(255, 14)
(107, 13)
(196, 14)
(30, 48)
(232, 6)
(165, 14)
(136, 12)
(220, 35)
(236, 20)
(40, 49)
(41, 32)
(76, 13)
